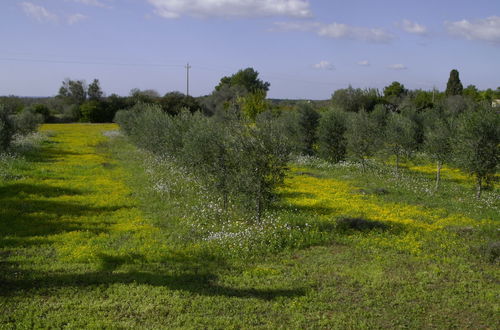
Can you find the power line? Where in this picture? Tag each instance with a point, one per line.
(89, 62)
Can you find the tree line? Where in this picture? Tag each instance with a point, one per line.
(239, 143)
(458, 127)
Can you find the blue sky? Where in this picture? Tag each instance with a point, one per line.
(304, 48)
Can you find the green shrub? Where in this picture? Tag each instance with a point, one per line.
(7, 128)
(27, 121)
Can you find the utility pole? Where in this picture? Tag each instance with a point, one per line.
(187, 78)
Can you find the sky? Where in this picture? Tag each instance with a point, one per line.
(306, 49)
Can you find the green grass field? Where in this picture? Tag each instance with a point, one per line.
(97, 234)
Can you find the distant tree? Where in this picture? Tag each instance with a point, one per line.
(487, 95)
(423, 99)
(395, 89)
(173, 102)
(96, 112)
(472, 92)
(12, 104)
(477, 144)
(114, 103)
(363, 137)
(144, 96)
(308, 120)
(454, 86)
(94, 91)
(73, 91)
(393, 95)
(331, 135)
(247, 78)
(39, 109)
(223, 99)
(354, 99)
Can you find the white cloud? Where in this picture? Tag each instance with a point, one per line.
(412, 27)
(231, 8)
(296, 26)
(398, 67)
(95, 3)
(487, 29)
(38, 12)
(337, 31)
(324, 65)
(73, 19)
(364, 63)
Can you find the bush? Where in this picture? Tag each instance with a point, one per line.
(96, 111)
(27, 121)
(7, 128)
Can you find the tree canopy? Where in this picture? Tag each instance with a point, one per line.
(247, 78)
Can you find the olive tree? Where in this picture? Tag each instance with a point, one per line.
(477, 144)
(263, 156)
(331, 135)
(438, 142)
(399, 138)
(363, 137)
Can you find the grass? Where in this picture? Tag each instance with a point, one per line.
(94, 233)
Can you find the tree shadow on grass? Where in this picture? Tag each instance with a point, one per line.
(308, 210)
(15, 189)
(50, 154)
(44, 218)
(176, 273)
(27, 219)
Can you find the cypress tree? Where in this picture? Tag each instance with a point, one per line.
(454, 86)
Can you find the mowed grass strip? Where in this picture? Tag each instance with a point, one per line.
(73, 198)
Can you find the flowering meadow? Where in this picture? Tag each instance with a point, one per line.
(96, 233)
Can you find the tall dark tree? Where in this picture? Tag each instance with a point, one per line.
(73, 91)
(454, 86)
(94, 91)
